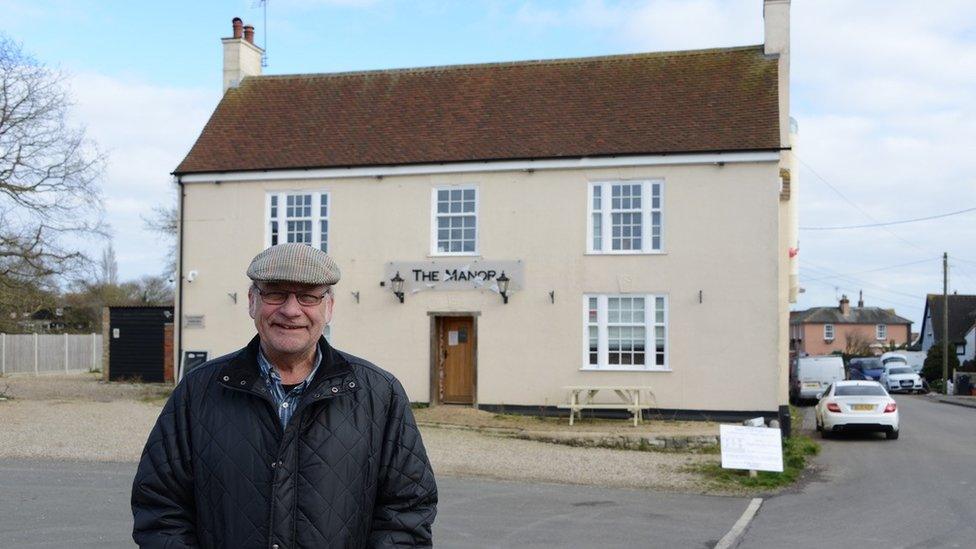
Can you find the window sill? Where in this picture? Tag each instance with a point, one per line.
(455, 254)
(621, 369)
(621, 252)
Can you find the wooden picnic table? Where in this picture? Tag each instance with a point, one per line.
(629, 398)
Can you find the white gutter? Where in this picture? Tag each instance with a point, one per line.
(488, 166)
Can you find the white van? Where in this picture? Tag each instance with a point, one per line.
(813, 374)
(912, 359)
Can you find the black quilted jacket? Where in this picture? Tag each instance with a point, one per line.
(349, 470)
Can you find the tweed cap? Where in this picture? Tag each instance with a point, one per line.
(294, 263)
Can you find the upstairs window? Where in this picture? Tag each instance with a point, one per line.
(455, 221)
(881, 332)
(829, 332)
(625, 217)
(301, 217)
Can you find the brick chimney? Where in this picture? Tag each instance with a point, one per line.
(845, 305)
(241, 57)
(860, 299)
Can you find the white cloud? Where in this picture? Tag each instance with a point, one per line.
(146, 131)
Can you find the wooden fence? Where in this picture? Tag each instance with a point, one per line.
(37, 354)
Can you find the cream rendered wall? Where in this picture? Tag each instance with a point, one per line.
(721, 234)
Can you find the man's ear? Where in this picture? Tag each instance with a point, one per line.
(252, 304)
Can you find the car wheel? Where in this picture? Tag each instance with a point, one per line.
(824, 433)
(892, 435)
(819, 425)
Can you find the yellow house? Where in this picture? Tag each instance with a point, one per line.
(638, 211)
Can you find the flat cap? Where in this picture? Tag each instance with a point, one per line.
(294, 263)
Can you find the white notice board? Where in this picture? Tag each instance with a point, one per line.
(751, 448)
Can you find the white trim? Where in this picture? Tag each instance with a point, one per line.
(647, 212)
(878, 329)
(433, 220)
(832, 332)
(282, 217)
(487, 166)
(650, 334)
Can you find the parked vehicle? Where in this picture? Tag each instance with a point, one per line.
(912, 359)
(869, 368)
(899, 377)
(856, 406)
(813, 374)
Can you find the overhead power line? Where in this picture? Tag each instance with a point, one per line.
(888, 223)
(889, 267)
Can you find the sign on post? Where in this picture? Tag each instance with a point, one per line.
(751, 448)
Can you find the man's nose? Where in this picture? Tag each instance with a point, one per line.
(291, 306)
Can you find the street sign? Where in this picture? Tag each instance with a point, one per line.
(751, 448)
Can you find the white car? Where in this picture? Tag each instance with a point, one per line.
(857, 406)
(899, 377)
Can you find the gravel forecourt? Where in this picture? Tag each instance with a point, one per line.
(81, 418)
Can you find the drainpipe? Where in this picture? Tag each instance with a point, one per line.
(179, 280)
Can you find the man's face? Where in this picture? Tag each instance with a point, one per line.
(289, 328)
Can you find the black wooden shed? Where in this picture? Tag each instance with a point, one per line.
(137, 348)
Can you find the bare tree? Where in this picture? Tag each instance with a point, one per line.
(109, 266)
(48, 173)
(164, 221)
(856, 344)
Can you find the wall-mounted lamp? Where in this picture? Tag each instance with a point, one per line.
(356, 295)
(503, 286)
(552, 296)
(398, 286)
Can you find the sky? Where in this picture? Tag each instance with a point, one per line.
(882, 90)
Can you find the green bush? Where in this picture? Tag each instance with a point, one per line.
(932, 367)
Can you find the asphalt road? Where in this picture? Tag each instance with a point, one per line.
(917, 491)
(54, 504)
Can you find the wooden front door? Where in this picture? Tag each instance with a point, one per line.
(456, 345)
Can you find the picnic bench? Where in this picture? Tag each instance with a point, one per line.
(629, 398)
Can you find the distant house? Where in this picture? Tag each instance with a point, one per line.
(43, 321)
(824, 330)
(962, 324)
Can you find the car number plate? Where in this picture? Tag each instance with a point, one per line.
(812, 385)
(863, 407)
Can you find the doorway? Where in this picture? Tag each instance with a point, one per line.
(453, 347)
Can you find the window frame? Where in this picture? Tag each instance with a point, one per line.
(606, 213)
(650, 325)
(881, 332)
(434, 252)
(282, 218)
(829, 328)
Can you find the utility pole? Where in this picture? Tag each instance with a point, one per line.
(945, 321)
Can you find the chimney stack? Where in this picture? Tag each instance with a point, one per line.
(776, 41)
(860, 299)
(845, 305)
(241, 57)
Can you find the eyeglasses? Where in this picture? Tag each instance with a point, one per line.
(276, 297)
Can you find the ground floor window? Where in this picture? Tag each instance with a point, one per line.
(626, 331)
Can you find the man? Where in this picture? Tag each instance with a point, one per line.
(288, 442)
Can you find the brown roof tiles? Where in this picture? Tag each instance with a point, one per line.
(676, 102)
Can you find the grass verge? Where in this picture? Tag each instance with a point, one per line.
(796, 450)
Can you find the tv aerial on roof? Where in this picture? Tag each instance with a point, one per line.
(263, 4)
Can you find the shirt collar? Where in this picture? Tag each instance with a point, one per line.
(270, 372)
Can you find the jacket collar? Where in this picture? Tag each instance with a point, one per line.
(242, 371)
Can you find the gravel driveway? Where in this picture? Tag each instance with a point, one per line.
(80, 419)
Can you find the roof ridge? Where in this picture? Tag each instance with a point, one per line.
(501, 64)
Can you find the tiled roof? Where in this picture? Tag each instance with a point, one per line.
(674, 102)
(857, 315)
(962, 315)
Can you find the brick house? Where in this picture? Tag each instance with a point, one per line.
(825, 330)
